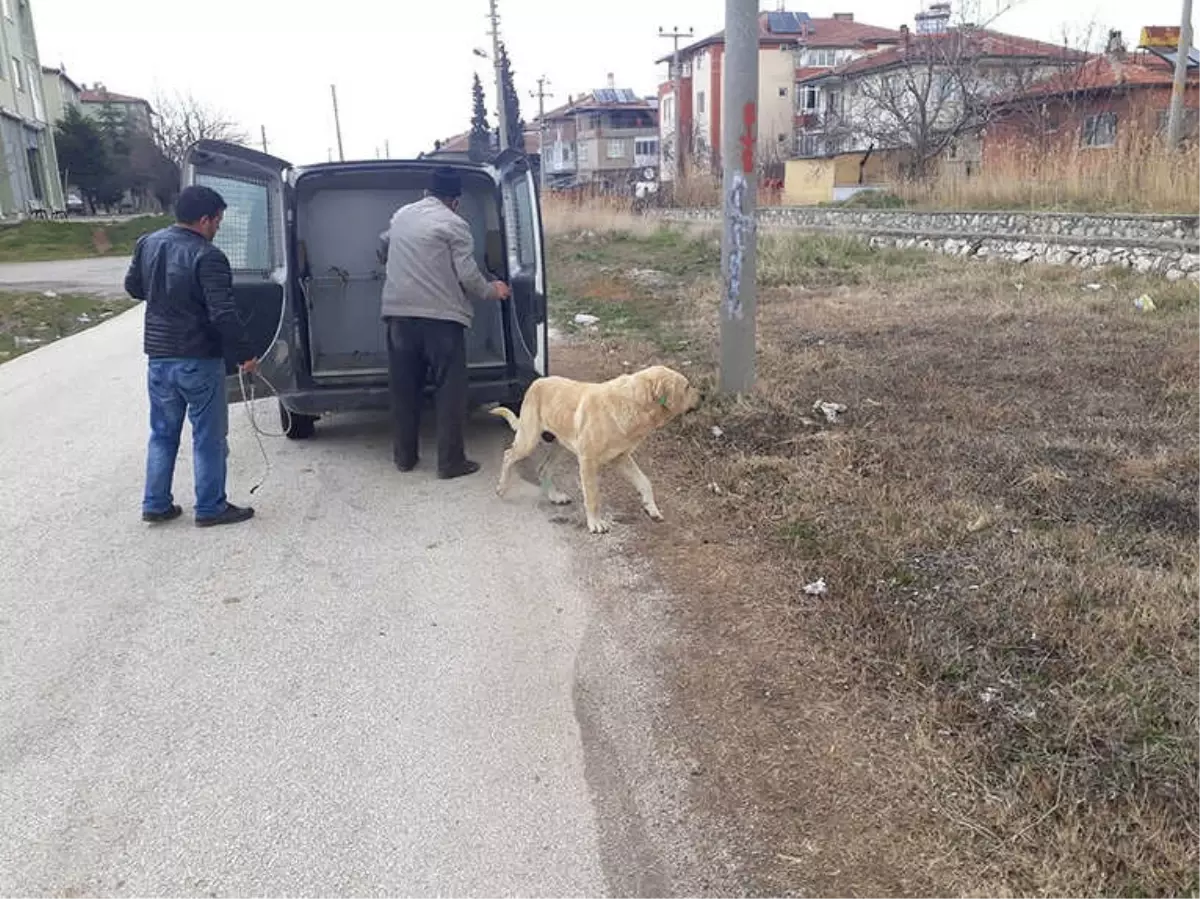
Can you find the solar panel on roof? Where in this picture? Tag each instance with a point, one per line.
(1169, 56)
(784, 22)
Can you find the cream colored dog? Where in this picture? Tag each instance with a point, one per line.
(602, 424)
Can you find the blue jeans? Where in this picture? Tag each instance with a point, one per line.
(195, 388)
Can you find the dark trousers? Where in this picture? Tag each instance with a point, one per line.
(417, 346)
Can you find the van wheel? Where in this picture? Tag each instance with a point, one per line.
(296, 426)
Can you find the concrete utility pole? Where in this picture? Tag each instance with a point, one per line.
(337, 123)
(494, 17)
(264, 137)
(739, 187)
(541, 93)
(1175, 116)
(677, 112)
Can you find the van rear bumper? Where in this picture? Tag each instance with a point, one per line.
(324, 400)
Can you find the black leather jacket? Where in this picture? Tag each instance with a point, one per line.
(188, 288)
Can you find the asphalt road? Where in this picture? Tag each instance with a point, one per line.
(102, 276)
(372, 688)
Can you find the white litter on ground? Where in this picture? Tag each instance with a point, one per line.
(817, 587)
(831, 411)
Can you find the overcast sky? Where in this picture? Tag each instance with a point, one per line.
(403, 68)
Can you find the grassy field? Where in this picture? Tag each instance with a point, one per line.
(29, 320)
(998, 693)
(42, 241)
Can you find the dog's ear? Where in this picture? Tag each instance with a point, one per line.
(670, 389)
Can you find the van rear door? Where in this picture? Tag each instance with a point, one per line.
(526, 263)
(253, 235)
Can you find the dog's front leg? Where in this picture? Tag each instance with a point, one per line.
(641, 484)
(589, 477)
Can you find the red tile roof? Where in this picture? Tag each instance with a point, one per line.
(1100, 73)
(106, 96)
(586, 102)
(820, 33)
(460, 143)
(810, 72)
(976, 42)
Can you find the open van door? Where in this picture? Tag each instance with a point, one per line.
(253, 235)
(526, 263)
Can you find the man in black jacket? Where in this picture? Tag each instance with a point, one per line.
(191, 325)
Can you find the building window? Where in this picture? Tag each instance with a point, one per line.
(18, 75)
(833, 103)
(808, 145)
(1100, 130)
(246, 231)
(616, 149)
(700, 102)
(582, 153)
(783, 92)
(668, 112)
(645, 147)
(566, 153)
(34, 157)
(807, 99)
(822, 57)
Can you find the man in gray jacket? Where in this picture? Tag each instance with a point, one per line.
(431, 276)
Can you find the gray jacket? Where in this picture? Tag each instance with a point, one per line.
(431, 270)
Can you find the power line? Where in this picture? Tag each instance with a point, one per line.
(337, 122)
(494, 18)
(541, 93)
(1175, 115)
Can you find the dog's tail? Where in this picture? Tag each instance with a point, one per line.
(506, 414)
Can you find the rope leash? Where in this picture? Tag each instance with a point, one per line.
(248, 403)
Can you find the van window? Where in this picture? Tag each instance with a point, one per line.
(245, 235)
(521, 236)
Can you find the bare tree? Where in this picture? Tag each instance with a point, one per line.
(183, 119)
(936, 90)
(1042, 108)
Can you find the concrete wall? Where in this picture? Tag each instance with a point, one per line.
(807, 182)
(1159, 244)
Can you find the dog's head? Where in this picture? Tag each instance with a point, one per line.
(670, 390)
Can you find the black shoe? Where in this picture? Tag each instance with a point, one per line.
(232, 515)
(405, 465)
(464, 468)
(158, 517)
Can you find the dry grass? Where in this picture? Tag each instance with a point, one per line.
(1138, 175)
(1006, 517)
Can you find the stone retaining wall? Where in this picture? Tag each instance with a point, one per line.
(1157, 244)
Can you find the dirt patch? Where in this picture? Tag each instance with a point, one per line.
(997, 694)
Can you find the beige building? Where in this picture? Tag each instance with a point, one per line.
(137, 111)
(60, 93)
(606, 139)
(28, 164)
(789, 45)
